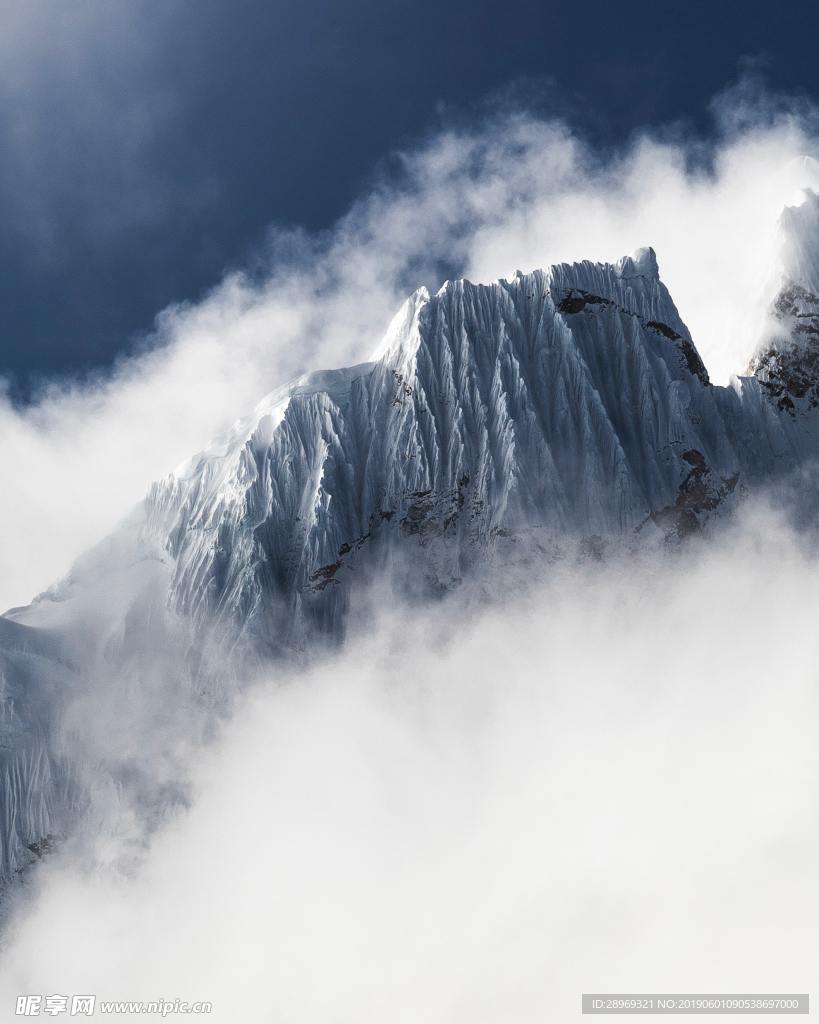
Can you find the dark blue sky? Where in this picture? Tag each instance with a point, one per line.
(146, 147)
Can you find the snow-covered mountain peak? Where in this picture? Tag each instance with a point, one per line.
(567, 401)
(498, 427)
(632, 284)
(641, 263)
(799, 242)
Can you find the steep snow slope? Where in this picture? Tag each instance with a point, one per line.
(34, 671)
(564, 407)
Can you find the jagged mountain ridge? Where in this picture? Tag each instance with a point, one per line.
(568, 404)
(570, 401)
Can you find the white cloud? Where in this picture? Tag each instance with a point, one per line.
(609, 784)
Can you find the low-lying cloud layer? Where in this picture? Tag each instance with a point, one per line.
(609, 784)
(515, 192)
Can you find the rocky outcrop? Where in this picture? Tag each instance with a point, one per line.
(787, 367)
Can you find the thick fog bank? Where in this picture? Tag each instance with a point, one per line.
(606, 783)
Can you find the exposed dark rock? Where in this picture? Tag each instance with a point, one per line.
(664, 329)
(789, 373)
(693, 362)
(324, 575)
(694, 458)
(593, 548)
(575, 301)
(788, 368)
(432, 513)
(402, 390)
(698, 493)
(43, 846)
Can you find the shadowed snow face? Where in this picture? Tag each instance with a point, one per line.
(609, 782)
